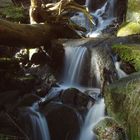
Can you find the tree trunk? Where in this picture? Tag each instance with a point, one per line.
(32, 35)
(36, 12)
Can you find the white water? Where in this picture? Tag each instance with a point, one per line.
(37, 122)
(95, 114)
(105, 16)
(120, 72)
(74, 64)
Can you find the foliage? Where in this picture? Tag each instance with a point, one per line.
(133, 5)
(13, 13)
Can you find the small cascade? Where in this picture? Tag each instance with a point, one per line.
(120, 72)
(75, 60)
(94, 115)
(105, 17)
(37, 124)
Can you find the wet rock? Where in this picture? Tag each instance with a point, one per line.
(28, 100)
(63, 121)
(127, 67)
(102, 66)
(76, 99)
(57, 55)
(129, 53)
(109, 129)
(94, 93)
(122, 102)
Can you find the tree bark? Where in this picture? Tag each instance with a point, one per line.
(32, 35)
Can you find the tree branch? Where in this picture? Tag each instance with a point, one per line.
(33, 35)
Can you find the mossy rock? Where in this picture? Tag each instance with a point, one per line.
(129, 53)
(122, 99)
(133, 10)
(109, 129)
(129, 28)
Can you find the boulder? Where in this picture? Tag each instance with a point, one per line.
(75, 98)
(109, 129)
(129, 53)
(102, 68)
(129, 28)
(132, 25)
(63, 121)
(133, 10)
(122, 100)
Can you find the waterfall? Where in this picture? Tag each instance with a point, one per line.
(94, 115)
(37, 124)
(75, 60)
(104, 17)
(120, 72)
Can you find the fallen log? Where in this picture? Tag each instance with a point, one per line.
(33, 35)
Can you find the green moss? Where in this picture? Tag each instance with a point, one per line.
(129, 53)
(133, 12)
(129, 29)
(12, 13)
(107, 129)
(133, 5)
(122, 102)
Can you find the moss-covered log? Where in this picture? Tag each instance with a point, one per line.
(32, 35)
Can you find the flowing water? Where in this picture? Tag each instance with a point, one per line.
(120, 72)
(74, 73)
(75, 61)
(36, 123)
(105, 16)
(95, 114)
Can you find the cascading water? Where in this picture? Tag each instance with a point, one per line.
(120, 72)
(37, 124)
(74, 69)
(105, 17)
(75, 60)
(94, 115)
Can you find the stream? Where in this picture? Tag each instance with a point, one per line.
(83, 70)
